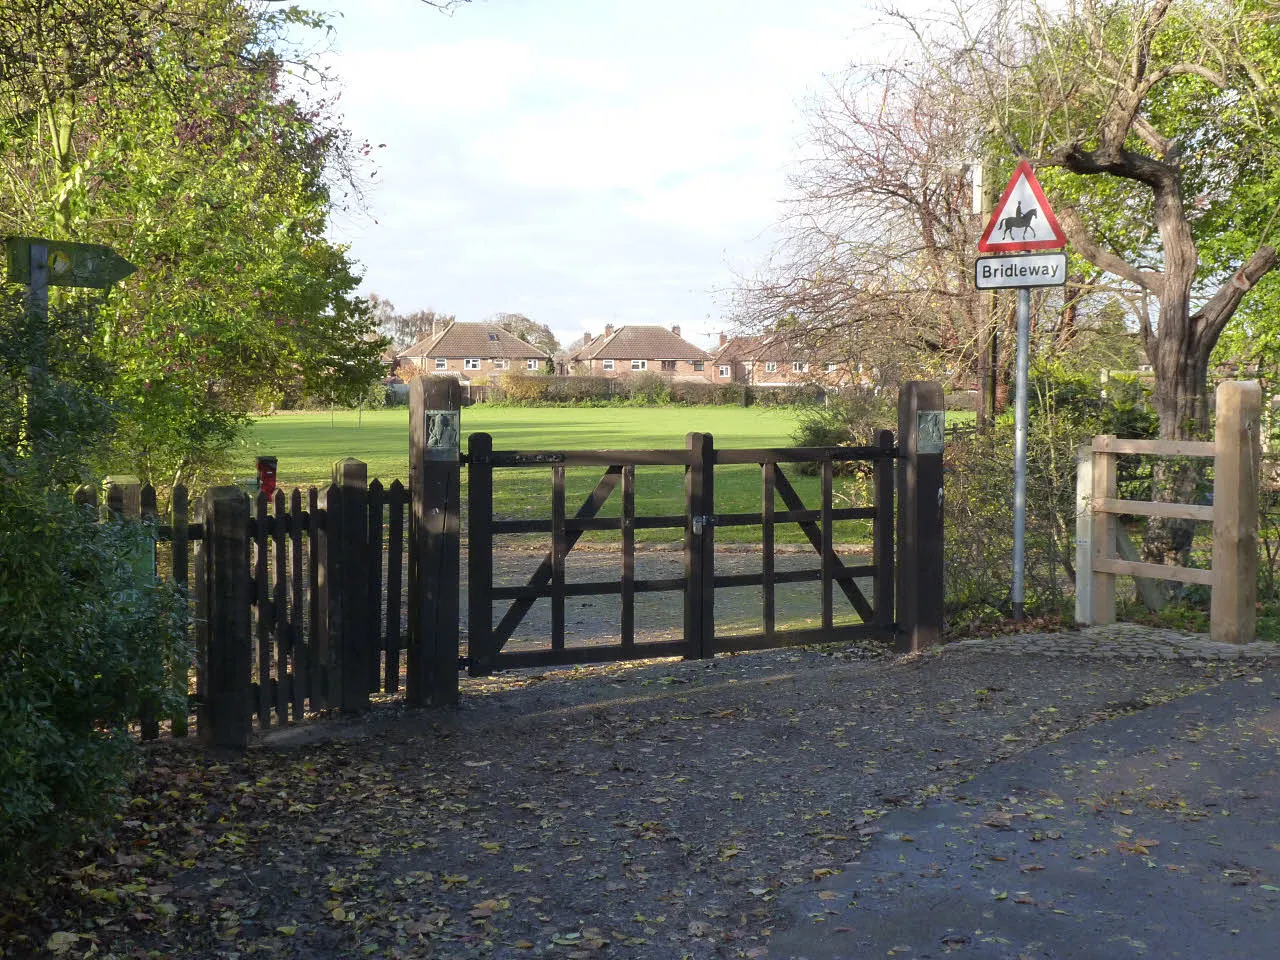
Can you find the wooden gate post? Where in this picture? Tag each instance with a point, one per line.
(434, 546)
(921, 414)
(349, 589)
(699, 548)
(479, 554)
(882, 545)
(1237, 457)
(226, 708)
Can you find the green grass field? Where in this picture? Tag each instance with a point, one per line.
(307, 444)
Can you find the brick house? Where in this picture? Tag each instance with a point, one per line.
(635, 349)
(769, 361)
(471, 350)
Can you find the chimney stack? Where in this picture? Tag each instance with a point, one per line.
(675, 328)
(723, 338)
(608, 329)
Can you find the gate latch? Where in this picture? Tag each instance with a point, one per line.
(702, 521)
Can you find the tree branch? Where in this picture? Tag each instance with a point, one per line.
(1084, 244)
(1221, 307)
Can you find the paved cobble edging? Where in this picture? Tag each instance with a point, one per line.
(1130, 641)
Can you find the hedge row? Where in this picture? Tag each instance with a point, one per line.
(645, 389)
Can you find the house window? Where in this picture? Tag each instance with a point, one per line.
(639, 364)
(770, 367)
(829, 368)
(501, 364)
(441, 363)
(471, 364)
(668, 366)
(699, 365)
(799, 367)
(724, 370)
(608, 364)
(532, 364)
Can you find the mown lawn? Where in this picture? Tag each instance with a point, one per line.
(307, 444)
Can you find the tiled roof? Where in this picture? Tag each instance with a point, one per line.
(640, 343)
(459, 341)
(764, 347)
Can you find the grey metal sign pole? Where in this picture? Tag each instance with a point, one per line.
(1020, 454)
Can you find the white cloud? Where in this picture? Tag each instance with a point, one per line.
(578, 160)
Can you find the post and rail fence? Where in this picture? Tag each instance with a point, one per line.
(1232, 577)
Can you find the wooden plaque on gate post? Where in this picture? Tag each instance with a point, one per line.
(434, 540)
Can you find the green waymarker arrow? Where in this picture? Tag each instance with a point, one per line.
(70, 264)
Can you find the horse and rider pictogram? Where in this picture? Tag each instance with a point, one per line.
(1023, 219)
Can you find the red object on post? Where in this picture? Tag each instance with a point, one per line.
(267, 475)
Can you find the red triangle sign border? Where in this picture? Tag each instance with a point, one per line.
(987, 245)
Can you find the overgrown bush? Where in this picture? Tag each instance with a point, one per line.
(649, 389)
(84, 645)
(1066, 411)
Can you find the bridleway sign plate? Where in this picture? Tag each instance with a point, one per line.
(1022, 220)
(1022, 270)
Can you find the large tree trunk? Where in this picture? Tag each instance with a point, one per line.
(1182, 404)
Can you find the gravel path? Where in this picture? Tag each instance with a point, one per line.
(644, 810)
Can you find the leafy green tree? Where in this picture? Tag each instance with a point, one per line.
(192, 150)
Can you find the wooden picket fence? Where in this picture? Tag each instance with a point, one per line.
(297, 575)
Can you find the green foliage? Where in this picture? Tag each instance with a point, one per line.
(85, 647)
(852, 417)
(197, 165)
(1066, 410)
(649, 389)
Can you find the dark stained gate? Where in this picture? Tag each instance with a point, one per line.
(487, 639)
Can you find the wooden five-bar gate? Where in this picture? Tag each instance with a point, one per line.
(698, 523)
(319, 599)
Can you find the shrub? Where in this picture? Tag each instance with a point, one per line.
(649, 389)
(1066, 411)
(84, 647)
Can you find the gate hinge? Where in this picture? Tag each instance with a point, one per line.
(702, 521)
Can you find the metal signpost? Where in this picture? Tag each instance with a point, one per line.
(1021, 222)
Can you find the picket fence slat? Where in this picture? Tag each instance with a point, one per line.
(178, 516)
(297, 644)
(280, 608)
(396, 503)
(374, 602)
(263, 632)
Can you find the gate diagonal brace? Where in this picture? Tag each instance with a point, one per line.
(542, 576)
(842, 575)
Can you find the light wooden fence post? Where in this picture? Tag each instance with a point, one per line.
(434, 540)
(225, 714)
(1102, 538)
(1236, 463)
(920, 531)
(1084, 533)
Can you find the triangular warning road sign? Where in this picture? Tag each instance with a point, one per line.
(1023, 219)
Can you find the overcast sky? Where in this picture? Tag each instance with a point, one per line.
(580, 161)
